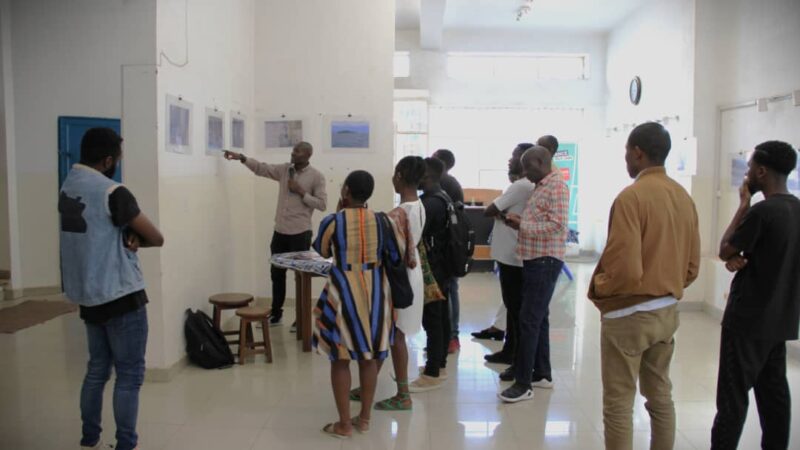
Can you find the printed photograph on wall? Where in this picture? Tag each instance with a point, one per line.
(282, 133)
(237, 131)
(349, 134)
(215, 131)
(179, 125)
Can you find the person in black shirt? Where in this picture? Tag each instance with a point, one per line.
(435, 314)
(452, 187)
(762, 245)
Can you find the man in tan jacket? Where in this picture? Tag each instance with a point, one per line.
(652, 254)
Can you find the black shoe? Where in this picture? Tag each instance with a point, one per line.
(293, 328)
(274, 321)
(516, 393)
(508, 375)
(536, 381)
(490, 333)
(498, 358)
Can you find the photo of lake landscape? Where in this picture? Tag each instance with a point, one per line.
(348, 134)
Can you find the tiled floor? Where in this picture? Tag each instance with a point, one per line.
(285, 404)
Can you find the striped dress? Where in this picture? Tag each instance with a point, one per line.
(354, 316)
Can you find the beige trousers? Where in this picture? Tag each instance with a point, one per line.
(638, 347)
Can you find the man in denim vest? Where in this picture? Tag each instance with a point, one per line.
(101, 230)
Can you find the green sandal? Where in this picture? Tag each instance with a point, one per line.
(396, 403)
(355, 395)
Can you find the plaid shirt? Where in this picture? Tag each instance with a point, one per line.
(543, 230)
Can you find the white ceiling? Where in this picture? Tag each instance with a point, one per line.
(567, 15)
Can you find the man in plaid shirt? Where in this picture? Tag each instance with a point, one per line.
(541, 245)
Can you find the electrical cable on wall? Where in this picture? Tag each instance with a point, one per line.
(163, 55)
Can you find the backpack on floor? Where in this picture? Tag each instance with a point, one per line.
(460, 245)
(206, 346)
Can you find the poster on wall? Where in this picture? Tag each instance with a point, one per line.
(237, 131)
(347, 133)
(179, 125)
(282, 133)
(566, 159)
(215, 131)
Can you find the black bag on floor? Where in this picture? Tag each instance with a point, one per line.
(206, 345)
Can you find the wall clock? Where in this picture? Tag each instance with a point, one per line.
(635, 90)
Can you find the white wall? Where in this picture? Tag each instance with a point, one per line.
(205, 203)
(60, 69)
(317, 58)
(5, 46)
(745, 50)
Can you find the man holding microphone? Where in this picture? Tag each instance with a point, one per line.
(302, 190)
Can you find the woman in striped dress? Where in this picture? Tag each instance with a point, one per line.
(354, 316)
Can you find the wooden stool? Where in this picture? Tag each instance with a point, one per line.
(222, 302)
(247, 344)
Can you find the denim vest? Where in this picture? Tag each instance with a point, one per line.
(96, 268)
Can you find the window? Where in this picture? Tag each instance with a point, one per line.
(517, 66)
(402, 64)
(411, 124)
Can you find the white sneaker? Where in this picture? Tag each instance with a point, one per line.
(442, 372)
(424, 384)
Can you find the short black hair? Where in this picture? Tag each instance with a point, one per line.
(446, 156)
(653, 139)
(98, 144)
(549, 142)
(524, 146)
(361, 184)
(437, 168)
(411, 170)
(776, 155)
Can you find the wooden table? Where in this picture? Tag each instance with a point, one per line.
(305, 265)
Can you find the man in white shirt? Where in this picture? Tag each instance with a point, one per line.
(504, 245)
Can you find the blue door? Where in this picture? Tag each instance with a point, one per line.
(70, 133)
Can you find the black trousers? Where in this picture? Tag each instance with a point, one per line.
(436, 322)
(761, 365)
(511, 289)
(283, 243)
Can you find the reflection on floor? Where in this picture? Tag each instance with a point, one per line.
(285, 404)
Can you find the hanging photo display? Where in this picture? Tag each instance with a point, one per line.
(179, 125)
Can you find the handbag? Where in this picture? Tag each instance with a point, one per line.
(395, 268)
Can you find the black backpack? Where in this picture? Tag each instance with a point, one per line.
(396, 273)
(460, 235)
(206, 345)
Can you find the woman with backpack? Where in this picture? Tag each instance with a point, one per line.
(354, 315)
(409, 217)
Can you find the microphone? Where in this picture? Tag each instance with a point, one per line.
(291, 171)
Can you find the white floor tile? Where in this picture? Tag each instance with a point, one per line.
(284, 405)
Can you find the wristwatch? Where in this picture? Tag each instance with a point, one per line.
(242, 158)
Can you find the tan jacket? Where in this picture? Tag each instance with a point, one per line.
(653, 247)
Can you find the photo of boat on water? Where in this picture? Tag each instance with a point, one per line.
(349, 134)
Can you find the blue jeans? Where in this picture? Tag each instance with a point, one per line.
(119, 342)
(533, 349)
(455, 308)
